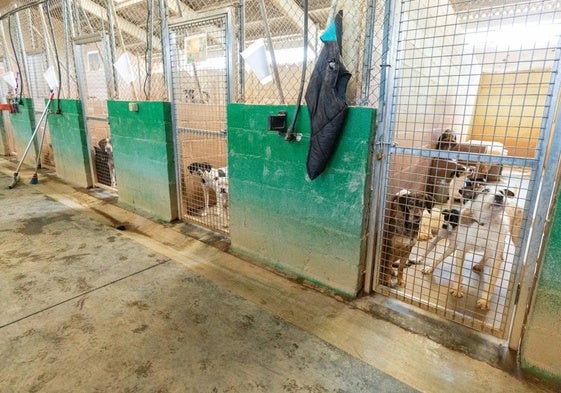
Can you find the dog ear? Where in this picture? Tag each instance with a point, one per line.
(429, 202)
(508, 193)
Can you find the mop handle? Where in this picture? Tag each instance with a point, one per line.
(35, 132)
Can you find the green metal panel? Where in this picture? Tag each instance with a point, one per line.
(70, 147)
(311, 229)
(23, 124)
(144, 157)
(541, 343)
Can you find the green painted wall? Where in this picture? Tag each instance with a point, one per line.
(69, 141)
(23, 124)
(144, 157)
(541, 344)
(311, 229)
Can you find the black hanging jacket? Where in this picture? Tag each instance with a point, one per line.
(326, 99)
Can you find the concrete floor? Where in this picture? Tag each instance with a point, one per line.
(87, 307)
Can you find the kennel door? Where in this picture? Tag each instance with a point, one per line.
(463, 67)
(95, 81)
(200, 62)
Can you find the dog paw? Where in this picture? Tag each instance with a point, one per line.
(427, 270)
(482, 304)
(457, 292)
(478, 268)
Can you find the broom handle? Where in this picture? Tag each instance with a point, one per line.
(34, 133)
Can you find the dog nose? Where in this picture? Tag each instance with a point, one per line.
(499, 199)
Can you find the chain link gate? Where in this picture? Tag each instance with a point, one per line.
(470, 94)
(201, 82)
(93, 68)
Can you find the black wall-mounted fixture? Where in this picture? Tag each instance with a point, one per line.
(277, 123)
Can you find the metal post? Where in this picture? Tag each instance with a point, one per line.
(21, 45)
(272, 49)
(241, 67)
(109, 69)
(381, 160)
(368, 48)
(148, 59)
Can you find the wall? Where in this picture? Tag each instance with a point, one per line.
(70, 147)
(510, 108)
(311, 229)
(23, 124)
(144, 157)
(541, 343)
(437, 84)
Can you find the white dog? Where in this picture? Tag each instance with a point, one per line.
(215, 179)
(483, 227)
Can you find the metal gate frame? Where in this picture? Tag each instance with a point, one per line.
(78, 44)
(168, 34)
(545, 172)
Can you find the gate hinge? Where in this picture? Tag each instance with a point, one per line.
(517, 294)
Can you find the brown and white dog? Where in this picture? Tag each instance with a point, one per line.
(403, 221)
(483, 226)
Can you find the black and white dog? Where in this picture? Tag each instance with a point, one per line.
(106, 147)
(212, 179)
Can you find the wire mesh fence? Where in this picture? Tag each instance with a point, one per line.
(135, 58)
(466, 124)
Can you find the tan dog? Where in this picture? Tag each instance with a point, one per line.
(483, 226)
(403, 221)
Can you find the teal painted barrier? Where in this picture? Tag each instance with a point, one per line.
(144, 157)
(310, 229)
(23, 124)
(69, 141)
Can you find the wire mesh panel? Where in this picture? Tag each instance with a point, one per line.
(470, 92)
(91, 63)
(281, 25)
(200, 58)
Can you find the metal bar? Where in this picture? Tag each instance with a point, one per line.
(241, 68)
(272, 50)
(82, 94)
(65, 21)
(109, 69)
(169, 41)
(368, 50)
(381, 160)
(464, 156)
(548, 167)
(21, 45)
(148, 58)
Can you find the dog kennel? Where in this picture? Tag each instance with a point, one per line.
(201, 89)
(470, 94)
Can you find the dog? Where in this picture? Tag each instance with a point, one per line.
(460, 177)
(446, 141)
(215, 179)
(106, 147)
(403, 221)
(482, 226)
(430, 224)
(450, 220)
